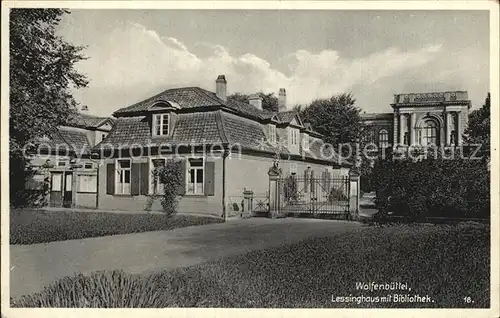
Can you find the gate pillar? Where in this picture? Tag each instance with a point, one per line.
(248, 205)
(354, 180)
(274, 190)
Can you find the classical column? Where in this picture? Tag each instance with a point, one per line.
(447, 125)
(459, 131)
(395, 131)
(401, 128)
(353, 195)
(412, 128)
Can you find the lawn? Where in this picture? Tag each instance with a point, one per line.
(448, 263)
(29, 226)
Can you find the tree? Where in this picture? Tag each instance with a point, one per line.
(337, 118)
(478, 130)
(269, 101)
(42, 74)
(298, 108)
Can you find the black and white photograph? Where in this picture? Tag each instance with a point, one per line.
(280, 155)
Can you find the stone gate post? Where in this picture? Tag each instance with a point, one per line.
(248, 199)
(274, 191)
(354, 187)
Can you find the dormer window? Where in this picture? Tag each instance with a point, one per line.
(161, 124)
(294, 139)
(272, 134)
(305, 142)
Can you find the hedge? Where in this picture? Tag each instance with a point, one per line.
(433, 186)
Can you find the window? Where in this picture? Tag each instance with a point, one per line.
(371, 136)
(56, 184)
(160, 124)
(87, 183)
(69, 182)
(195, 176)
(293, 168)
(62, 163)
(453, 138)
(430, 133)
(89, 165)
(156, 185)
(123, 176)
(418, 134)
(305, 142)
(383, 138)
(406, 138)
(272, 134)
(294, 137)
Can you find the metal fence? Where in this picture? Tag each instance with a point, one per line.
(323, 195)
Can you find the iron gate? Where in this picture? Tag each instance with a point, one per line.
(322, 196)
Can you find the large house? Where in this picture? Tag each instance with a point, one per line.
(421, 119)
(225, 147)
(64, 174)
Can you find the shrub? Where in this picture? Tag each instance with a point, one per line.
(106, 289)
(170, 175)
(236, 207)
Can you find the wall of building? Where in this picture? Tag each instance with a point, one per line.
(438, 113)
(250, 172)
(242, 172)
(199, 204)
(43, 175)
(420, 113)
(86, 200)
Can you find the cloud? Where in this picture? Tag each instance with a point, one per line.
(135, 62)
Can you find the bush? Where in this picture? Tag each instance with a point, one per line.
(438, 186)
(170, 176)
(236, 207)
(336, 195)
(290, 189)
(107, 289)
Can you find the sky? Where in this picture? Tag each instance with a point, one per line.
(134, 54)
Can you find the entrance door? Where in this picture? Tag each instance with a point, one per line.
(68, 193)
(56, 189)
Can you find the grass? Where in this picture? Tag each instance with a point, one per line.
(29, 226)
(445, 262)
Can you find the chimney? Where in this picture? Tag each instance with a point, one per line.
(221, 87)
(256, 101)
(282, 100)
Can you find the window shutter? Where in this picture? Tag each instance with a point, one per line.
(312, 181)
(306, 177)
(181, 190)
(328, 181)
(209, 178)
(153, 124)
(145, 178)
(135, 178)
(323, 178)
(110, 178)
(171, 123)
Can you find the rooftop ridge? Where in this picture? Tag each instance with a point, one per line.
(431, 92)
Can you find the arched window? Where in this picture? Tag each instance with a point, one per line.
(430, 133)
(383, 138)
